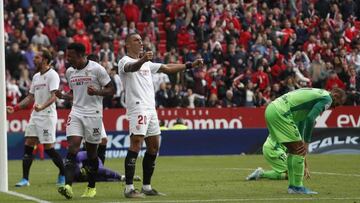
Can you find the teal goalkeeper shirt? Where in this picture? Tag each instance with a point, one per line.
(304, 105)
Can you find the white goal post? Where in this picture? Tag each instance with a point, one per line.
(3, 133)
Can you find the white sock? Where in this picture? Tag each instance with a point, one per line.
(128, 188)
(146, 187)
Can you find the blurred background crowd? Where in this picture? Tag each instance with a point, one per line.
(254, 51)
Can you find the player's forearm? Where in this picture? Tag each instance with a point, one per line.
(108, 90)
(25, 102)
(133, 67)
(308, 128)
(306, 147)
(67, 96)
(51, 100)
(173, 68)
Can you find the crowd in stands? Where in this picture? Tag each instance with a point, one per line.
(254, 51)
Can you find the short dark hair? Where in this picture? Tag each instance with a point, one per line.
(130, 35)
(93, 57)
(46, 55)
(77, 47)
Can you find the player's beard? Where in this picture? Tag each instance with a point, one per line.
(38, 67)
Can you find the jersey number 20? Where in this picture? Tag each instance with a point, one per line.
(141, 120)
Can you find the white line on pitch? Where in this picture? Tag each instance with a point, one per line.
(27, 197)
(315, 172)
(243, 200)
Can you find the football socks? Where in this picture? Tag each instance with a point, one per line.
(296, 170)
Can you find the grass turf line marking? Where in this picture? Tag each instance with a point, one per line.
(27, 197)
(243, 200)
(314, 172)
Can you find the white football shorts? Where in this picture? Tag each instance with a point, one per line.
(144, 123)
(42, 127)
(88, 127)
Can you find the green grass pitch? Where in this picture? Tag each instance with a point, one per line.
(204, 179)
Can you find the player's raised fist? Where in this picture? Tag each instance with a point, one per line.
(148, 56)
(198, 63)
(91, 90)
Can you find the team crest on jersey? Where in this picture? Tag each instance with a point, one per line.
(87, 72)
(96, 131)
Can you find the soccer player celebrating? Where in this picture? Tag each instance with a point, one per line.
(42, 124)
(135, 70)
(89, 82)
(292, 115)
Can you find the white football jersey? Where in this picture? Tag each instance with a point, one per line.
(41, 88)
(139, 88)
(79, 80)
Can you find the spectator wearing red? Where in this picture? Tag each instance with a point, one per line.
(211, 82)
(334, 81)
(228, 17)
(261, 78)
(343, 45)
(79, 24)
(245, 37)
(173, 7)
(151, 31)
(278, 67)
(287, 32)
(311, 46)
(82, 38)
(257, 16)
(51, 30)
(132, 11)
(351, 32)
(183, 38)
(8, 24)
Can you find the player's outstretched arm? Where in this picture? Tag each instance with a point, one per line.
(52, 99)
(24, 103)
(174, 68)
(133, 67)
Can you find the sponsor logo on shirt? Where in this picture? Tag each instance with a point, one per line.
(81, 80)
(39, 86)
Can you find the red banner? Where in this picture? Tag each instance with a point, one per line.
(200, 118)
